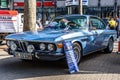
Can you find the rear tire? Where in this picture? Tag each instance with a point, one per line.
(109, 48)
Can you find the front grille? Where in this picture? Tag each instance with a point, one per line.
(22, 46)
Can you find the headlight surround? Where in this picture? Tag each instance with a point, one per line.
(30, 48)
(13, 46)
(42, 46)
(51, 47)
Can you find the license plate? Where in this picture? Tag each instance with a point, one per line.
(23, 55)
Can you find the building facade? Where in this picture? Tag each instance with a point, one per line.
(102, 8)
(46, 8)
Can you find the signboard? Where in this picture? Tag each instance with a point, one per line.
(71, 2)
(71, 61)
(75, 2)
(60, 3)
(93, 3)
(8, 21)
(84, 2)
(118, 2)
(20, 3)
(107, 2)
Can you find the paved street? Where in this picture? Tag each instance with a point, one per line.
(96, 66)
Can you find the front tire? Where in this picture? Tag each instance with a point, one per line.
(9, 51)
(1, 42)
(77, 52)
(110, 45)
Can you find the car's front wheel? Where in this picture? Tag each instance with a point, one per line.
(109, 47)
(9, 51)
(77, 52)
(0, 42)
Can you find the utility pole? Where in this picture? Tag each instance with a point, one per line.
(119, 11)
(10, 4)
(42, 8)
(55, 5)
(30, 15)
(99, 8)
(115, 8)
(80, 7)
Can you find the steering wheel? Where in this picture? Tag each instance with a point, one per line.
(72, 24)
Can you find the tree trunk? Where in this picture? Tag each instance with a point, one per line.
(80, 7)
(30, 15)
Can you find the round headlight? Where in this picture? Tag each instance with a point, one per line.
(8, 43)
(13, 46)
(42, 46)
(30, 48)
(51, 47)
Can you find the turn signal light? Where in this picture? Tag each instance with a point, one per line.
(60, 45)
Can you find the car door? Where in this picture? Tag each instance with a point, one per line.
(98, 28)
(88, 36)
(92, 35)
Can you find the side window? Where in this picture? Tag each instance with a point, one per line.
(97, 23)
(80, 21)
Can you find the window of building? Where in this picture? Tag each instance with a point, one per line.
(3, 3)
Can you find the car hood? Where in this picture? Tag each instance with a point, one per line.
(47, 36)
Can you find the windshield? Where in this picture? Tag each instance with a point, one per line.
(73, 22)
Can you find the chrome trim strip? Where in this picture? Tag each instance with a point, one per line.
(54, 42)
(20, 45)
(94, 51)
(23, 45)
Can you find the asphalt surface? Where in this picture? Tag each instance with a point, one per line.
(96, 66)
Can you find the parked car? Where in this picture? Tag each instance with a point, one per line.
(87, 33)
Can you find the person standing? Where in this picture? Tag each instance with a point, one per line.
(112, 23)
(118, 25)
(38, 22)
(39, 25)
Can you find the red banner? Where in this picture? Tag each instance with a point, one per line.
(38, 4)
(8, 12)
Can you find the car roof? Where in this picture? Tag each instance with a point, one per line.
(72, 15)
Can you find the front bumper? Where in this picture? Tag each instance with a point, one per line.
(38, 55)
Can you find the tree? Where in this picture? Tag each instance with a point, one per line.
(29, 15)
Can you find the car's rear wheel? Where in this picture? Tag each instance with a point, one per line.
(77, 52)
(109, 47)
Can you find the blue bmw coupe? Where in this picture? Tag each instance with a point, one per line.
(87, 33)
